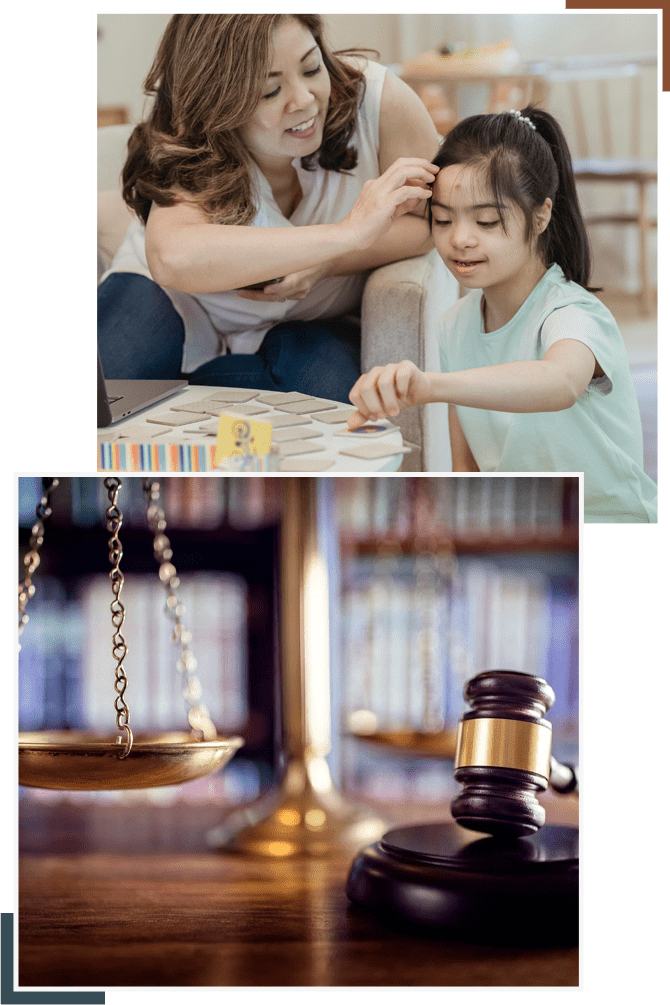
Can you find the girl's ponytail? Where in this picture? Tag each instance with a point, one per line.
(565, 240)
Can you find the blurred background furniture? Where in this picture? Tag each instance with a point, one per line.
(455, 84)
(112, 116)
(605, 94)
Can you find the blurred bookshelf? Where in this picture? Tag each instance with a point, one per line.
(442, 578)
(466, 515)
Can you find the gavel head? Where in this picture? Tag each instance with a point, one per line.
(503, 754)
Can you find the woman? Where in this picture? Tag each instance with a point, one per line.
(266, 161)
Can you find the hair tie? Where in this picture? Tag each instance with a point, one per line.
(522, 118)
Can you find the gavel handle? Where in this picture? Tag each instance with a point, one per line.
(563, 778)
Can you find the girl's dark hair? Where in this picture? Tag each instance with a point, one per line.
(207, 78)
(527, 166)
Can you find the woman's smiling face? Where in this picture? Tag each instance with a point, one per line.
(289, 120)
(469, 235)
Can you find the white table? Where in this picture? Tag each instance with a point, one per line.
(138, 429)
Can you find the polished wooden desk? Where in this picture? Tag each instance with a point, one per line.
(129, 897)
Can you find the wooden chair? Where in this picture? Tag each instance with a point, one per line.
(517, 92)
(600, 158)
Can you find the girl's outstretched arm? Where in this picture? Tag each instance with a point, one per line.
(550, 384)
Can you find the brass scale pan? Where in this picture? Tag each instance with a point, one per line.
(71, 759)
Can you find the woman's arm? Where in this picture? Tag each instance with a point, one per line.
(186, 252)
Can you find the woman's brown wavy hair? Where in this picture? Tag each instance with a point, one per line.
(209, 74)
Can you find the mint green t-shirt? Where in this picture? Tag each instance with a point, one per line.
(600, 434)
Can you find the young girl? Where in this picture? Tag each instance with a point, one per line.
(533, 365)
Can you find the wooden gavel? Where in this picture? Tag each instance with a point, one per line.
(503, 755)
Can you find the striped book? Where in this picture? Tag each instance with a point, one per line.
(129, 456)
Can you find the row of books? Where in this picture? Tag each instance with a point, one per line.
(197, 503)
(67, 670)
(413, 631)
(416, 629)
(365, 507)
(406, 508)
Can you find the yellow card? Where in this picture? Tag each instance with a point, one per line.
(239, 437)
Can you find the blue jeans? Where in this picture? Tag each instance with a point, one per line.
(140, 335)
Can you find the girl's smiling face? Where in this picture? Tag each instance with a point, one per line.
(289, 120)
(470, 238)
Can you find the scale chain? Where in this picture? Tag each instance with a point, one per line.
(198, 715)
(119, 647)
(32, 559)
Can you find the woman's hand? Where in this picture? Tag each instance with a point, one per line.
(403, 188)
(386, 389)
(293, 287)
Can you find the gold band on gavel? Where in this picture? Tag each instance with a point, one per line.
(504, 743)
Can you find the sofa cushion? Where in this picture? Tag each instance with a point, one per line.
(114, 218)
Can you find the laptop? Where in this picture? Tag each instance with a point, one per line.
(120, 398)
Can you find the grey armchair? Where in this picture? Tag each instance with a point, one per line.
(401, 304)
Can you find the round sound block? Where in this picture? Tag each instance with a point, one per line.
(521, 891)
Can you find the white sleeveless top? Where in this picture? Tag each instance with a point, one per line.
(220, 322)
